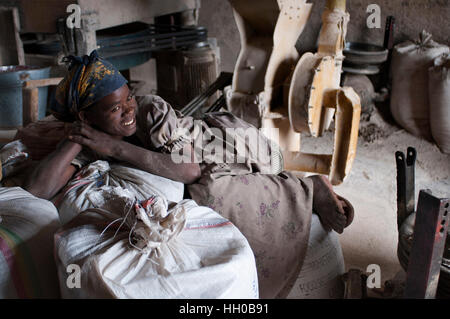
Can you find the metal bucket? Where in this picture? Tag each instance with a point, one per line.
(11, 81)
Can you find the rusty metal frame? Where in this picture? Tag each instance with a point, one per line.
(430, 232)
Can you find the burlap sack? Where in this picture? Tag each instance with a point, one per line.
(439, 92)
(409, 96)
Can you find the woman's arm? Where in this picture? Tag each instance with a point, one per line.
(157, 163)
(152, 162)
(54, 171)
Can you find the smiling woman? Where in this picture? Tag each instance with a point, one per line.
(115, 114)
(272, 208)
(95, 97)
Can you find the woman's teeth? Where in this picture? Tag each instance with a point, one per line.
(129, 123)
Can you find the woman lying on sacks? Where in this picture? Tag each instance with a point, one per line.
(271, 207)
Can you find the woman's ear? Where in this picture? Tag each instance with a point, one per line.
(82, 117)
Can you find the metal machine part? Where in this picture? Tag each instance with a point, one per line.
(365, 90)
(430, 232)
(364, 53)
(315, 96)
(304, 101)
(152, 38)
(182, 75)
(370, 59)
(424, 245)
(405, 184)
(198, 102)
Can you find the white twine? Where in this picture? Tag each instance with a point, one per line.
(152, 252)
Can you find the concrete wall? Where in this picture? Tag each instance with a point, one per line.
(412, 16)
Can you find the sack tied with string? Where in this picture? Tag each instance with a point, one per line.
(127, 248)
(73, 199)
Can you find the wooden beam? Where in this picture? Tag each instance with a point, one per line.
(11, 47)
(336, 4)
(30, 100)
(42, 82)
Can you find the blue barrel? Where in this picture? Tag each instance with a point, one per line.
(11, 81)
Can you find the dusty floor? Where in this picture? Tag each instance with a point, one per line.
(371, 188)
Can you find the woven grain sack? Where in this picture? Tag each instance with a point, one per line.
(320, 277)
(27, 227)
(409, 96)
(73, 199)
(143, 249)
(439, 92)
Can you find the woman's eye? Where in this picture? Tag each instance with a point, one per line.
(130, 97)
(115, 109)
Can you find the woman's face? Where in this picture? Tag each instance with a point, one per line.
(114, 114)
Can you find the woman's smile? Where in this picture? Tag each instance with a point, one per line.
(130, 122)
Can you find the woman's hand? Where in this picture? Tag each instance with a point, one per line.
(153, 162)
(96, 140)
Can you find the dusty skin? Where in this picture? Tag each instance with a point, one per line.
(324, 197)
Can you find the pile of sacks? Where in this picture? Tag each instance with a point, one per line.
(125, 233)
(128, 248)
(420, 96)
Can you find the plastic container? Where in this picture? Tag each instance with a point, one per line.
(11, 82)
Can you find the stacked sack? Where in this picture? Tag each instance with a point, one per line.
(27, 227)
(410, 98)
(129, 234)
(439, 92)
(128, 248)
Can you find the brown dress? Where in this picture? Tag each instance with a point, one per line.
(272, 208)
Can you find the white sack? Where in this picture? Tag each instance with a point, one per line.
(409, 96)
(27, 227)
(188, 251)
(100, 173)
(439, 92)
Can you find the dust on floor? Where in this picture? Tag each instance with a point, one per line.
(371, 187)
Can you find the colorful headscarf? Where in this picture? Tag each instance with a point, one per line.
(90, 79)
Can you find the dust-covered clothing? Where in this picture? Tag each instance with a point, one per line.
(271, 208)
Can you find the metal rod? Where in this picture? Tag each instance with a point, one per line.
(405, 184)
(138, 48)
(221, 102)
